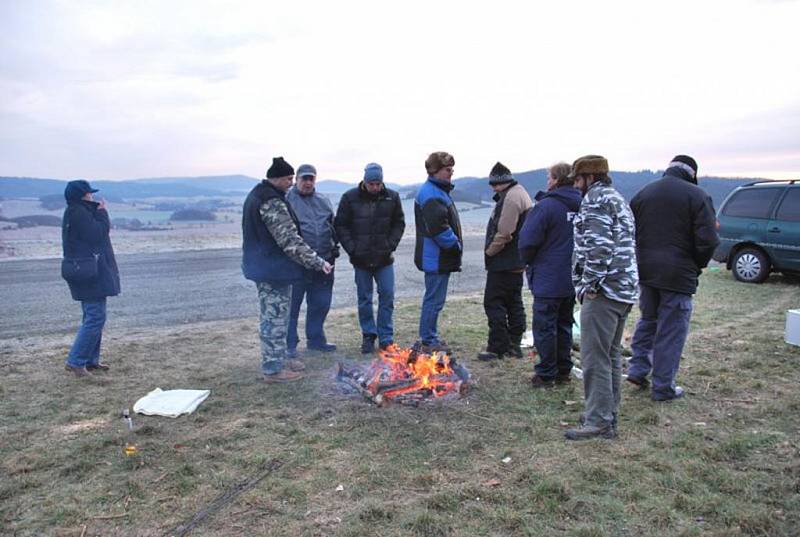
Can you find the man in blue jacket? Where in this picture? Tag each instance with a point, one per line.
(546, 245)
(439, 244)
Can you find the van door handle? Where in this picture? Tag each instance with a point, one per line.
(774, 230)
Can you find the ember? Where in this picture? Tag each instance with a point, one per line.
(406, 376)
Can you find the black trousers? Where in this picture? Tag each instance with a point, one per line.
(502, 302)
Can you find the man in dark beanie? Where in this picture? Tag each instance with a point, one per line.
(370, 224)
(439, 244)
(546, 245)
(607, 285)
(502, 296)
(675, 237)
(274, 256)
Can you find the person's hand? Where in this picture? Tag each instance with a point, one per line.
(327, 268)
(102, 204)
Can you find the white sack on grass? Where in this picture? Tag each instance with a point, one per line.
(170, 403)
(527, 338)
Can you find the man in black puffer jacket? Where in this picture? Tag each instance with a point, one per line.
(85, 234)
(675, 237)
(369, 224)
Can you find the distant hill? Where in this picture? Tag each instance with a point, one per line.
(468, 189)
(627, 183)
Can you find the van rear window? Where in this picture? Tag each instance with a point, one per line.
(790, 206)
(752, 203)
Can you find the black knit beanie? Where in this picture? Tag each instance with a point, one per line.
(686, 163)
(279, 168)
(500, 174)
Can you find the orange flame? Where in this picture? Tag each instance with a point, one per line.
(422, 371)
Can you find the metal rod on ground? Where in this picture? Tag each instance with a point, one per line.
(223, 500)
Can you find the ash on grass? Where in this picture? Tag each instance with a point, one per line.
(724, 461)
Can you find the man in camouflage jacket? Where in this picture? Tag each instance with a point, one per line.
(274, 256)
(606, 284)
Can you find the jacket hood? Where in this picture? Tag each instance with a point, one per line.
(570, 195)
(680, 174)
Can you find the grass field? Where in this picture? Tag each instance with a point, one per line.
(724, 461)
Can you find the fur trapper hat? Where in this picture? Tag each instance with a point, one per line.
(589, 164)
(438, 160)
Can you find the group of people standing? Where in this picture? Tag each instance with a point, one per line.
(577, 241)
(581, 241)
(291, 240)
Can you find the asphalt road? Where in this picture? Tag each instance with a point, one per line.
(176, 288)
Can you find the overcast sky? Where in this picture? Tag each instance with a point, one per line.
(114, 90)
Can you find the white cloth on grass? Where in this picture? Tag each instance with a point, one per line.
(170, 403)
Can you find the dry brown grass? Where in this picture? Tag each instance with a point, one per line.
(722, 462)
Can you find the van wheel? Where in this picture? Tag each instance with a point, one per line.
(750, 265)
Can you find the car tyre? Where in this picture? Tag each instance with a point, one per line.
(750, 265)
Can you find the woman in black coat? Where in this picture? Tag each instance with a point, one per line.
(85, 235)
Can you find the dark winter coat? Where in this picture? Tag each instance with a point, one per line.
(262, 259)
(546, 242)
(369, 226)
(439, 243)
(84, 233)
(675, 232)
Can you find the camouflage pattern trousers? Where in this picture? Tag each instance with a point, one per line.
(273, 325)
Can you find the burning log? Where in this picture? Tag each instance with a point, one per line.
(406, 377)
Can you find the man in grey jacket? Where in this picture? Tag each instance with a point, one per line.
(315, 213)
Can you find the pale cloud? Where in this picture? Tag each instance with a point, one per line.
(128, 89)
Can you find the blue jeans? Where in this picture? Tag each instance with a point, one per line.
(384, 278)
(432, 304)
(659, 338)
(86, 348)
(317, 288)
(552, 335)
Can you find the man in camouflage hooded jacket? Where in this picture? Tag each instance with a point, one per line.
(606, 284)
(274, 255)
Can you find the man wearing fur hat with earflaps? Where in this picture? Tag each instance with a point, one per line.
(607, 285)
(502, 296)
(439, 245)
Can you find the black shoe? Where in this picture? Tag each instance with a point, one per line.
(368, 343)
(587, 432)
(641, 382)
(515, 351)
(539, 382)
(325, 347)
(677, 394)
(98, 367)
(386, 346)
(563, 379)
(487, 356)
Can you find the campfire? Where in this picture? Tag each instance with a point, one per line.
(407, 377)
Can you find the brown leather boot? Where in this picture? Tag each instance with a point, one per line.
(283, 377)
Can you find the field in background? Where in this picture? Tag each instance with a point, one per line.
(724, 461)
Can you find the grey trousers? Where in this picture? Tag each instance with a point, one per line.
(602, 323)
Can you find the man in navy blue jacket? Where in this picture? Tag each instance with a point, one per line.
(546, 244)
(438, 249)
